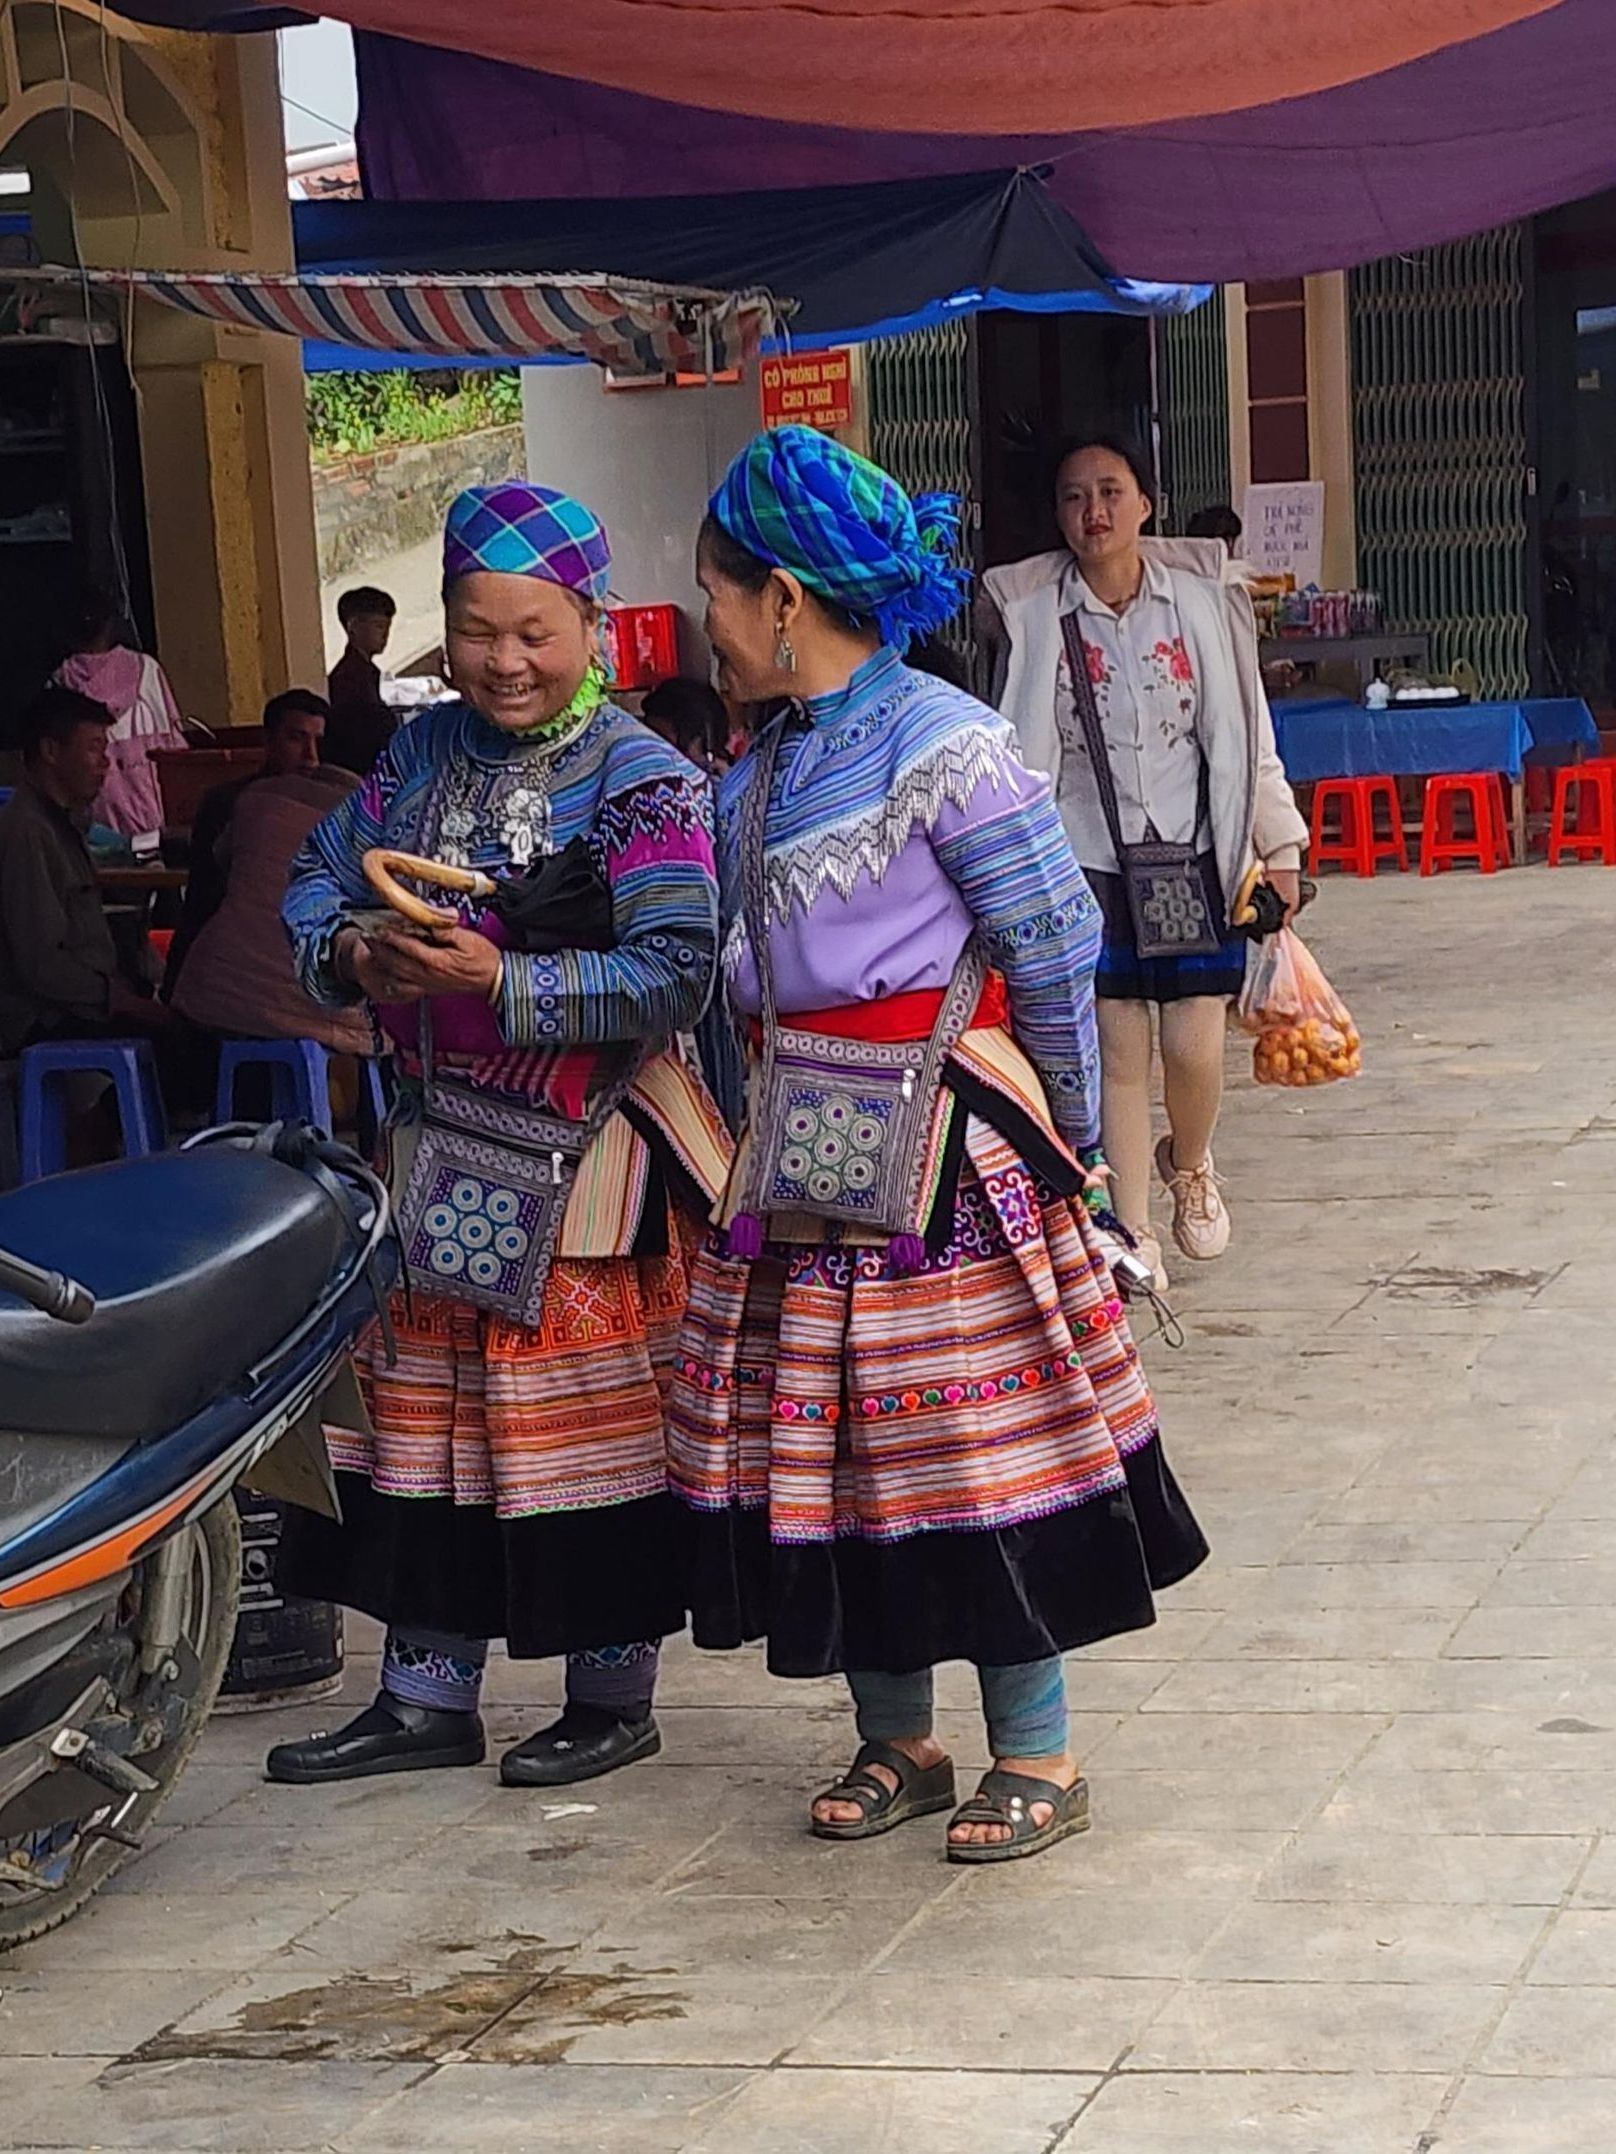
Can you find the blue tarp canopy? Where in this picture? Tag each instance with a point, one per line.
(859, 262)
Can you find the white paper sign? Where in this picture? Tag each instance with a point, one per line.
(1285, 530)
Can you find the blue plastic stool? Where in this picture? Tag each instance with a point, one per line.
(42, 1099)
(299, 1081)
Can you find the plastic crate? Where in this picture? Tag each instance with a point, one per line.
(644, 644)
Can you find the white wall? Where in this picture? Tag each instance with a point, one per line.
(645, 460)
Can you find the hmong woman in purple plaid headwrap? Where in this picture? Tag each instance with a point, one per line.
(550, 1159)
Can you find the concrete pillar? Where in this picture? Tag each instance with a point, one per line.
(231, 520)
(1239, 374)
(1329, 419)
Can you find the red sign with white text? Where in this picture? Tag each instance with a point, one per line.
(812, 389)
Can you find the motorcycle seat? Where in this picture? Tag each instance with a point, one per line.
(201, 1262)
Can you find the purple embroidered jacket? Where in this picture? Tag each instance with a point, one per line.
(899, 818)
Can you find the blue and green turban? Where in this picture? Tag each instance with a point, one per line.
(800, 501)
(515, 529)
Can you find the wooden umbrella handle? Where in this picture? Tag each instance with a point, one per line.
(1243, 911)
(382, 868)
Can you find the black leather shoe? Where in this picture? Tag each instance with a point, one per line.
(387, 1737)
(584, 1743)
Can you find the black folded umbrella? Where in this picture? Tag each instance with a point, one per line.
(559, 903)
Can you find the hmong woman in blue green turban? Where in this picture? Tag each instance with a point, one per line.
(907, 1413)
(510, 1482)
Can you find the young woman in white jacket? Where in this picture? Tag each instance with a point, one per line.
(1171, 649)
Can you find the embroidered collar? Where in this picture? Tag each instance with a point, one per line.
(877, 677)
(488, 743)
(587, 698)
(862, 770)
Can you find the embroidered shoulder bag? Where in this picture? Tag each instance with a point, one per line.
(487, 1187)
(840, 1129)
(1166, 890)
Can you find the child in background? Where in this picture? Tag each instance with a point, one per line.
(360, 725)
(105, 666)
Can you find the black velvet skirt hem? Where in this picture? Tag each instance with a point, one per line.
(995, 1598)
(557, 1582)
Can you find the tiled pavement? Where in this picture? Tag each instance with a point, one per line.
(1352, 1887)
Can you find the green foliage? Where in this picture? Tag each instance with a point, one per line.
(352, 414)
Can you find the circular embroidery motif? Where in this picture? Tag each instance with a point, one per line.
(474, 1231)
(829, 1155)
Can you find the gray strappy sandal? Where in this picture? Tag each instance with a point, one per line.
(1007, 1799)
(921, 1791)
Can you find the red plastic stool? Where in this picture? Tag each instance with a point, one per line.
(1356, 845)
(1501, 821)
(1576, 786)
(1487, 848)
(1538, 780)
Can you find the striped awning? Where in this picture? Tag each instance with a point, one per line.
(632, 328)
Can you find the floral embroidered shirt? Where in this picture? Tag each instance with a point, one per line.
(1148, 700)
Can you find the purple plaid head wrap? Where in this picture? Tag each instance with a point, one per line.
(515, 529)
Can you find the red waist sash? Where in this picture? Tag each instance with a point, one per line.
(895, 1018)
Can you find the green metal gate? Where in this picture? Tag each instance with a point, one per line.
(921, 399)
(1192, 382)
(1443, 451)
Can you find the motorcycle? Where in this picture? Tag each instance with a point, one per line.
(164, 1324)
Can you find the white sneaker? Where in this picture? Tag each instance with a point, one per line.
(1148, 1249)
(1201, 1224)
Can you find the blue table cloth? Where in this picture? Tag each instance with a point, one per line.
(1331, 737)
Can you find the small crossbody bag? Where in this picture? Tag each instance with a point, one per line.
(487, 1187)
(1166, 889)
(840, 1129)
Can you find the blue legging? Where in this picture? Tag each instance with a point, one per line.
(1023, 1705)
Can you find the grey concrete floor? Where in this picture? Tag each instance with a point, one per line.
(1352, 1885)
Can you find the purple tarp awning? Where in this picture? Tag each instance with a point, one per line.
(1489, 130)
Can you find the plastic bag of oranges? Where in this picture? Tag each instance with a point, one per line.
(1304, 1031)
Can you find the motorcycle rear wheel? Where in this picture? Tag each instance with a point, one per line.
(83, 1862)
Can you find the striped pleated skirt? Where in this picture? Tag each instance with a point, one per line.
(888, 1470)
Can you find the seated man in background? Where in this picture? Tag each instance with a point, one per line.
(239, 980)
(59, 976)
(361, 724)
(294, 729)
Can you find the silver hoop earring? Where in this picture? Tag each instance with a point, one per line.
(785, 656)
